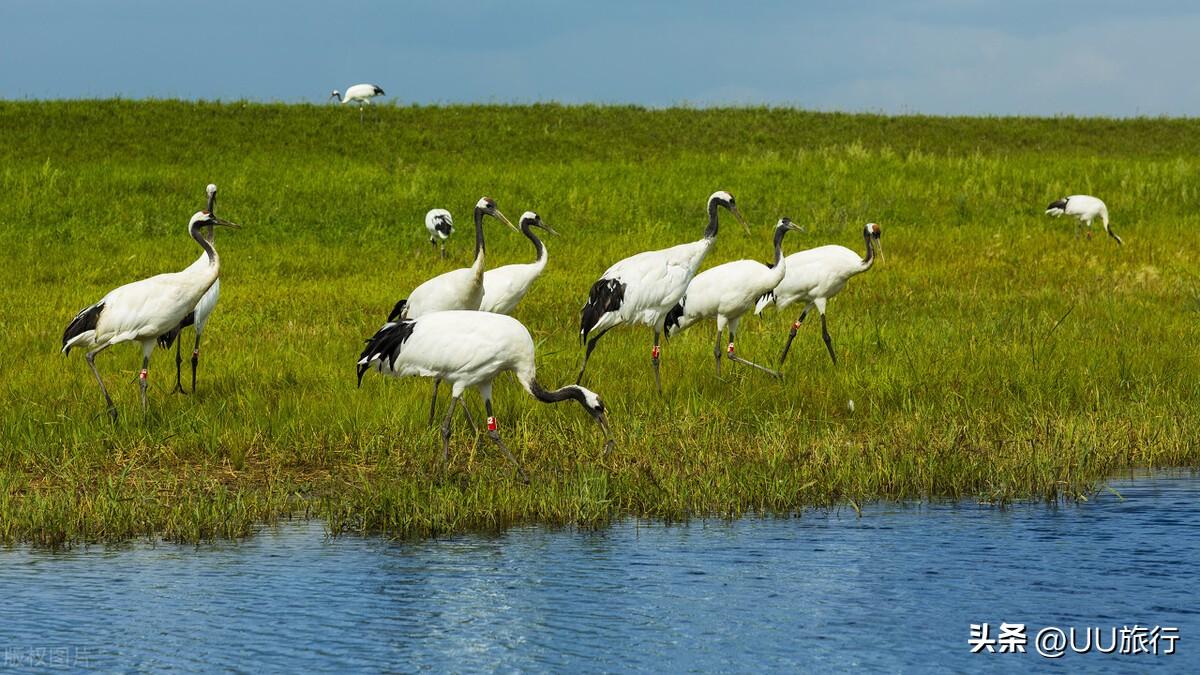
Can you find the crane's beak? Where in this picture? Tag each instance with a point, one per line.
(547, 228)
(794, 227)
(738, 214)
(501, 217)
(609, 442)
(879, 246)
(225, 223)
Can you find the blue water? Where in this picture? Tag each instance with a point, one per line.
(894, 590)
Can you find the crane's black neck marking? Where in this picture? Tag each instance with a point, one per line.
(204, 244)
(711, 231)
(479, 246)
(868, 259)
(570, 391)
(538, 248)
(780, 231)
(212, 203)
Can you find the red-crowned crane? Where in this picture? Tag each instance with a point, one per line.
(816, 275)
(360, 94)
(1086, 208)
(642, 288)
(457, 289)
(727, 292)
(440, 225)
(199, 316)
(503, 287)
(469, 349)
(143, 310)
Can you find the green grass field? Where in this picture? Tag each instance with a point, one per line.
(994, 355)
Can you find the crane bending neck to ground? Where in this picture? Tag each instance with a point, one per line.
(469, 349)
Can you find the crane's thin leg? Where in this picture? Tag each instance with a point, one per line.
(591, 345)
(717, 352)
(179, 367)
(142, 377)
(360, 114)
(443, 250)
(195, 360)
(828, 340)
(737, 359)
(433, 243)
(90, 357)
(446, 431)
(470, 419)
(495, 436)
(433, 401)
(654, 359)
(792, 336)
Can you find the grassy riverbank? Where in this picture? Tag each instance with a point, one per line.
(993, 355)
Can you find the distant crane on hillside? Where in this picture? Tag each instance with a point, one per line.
(1086, 208)
(360, 94)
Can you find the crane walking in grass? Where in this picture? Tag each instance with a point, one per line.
(360, 94)
(1086, 209)
(440, 226)
(642, 288)
(469, 349)
(727, 292)
(198, 317)
(816, 275)
(144, 310)
(503, 287)
(457, 289)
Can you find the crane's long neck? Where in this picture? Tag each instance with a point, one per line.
(571, 391)
(478, 266)
(869, 259)
(777, 270)
(205, 275)
(212, 202)
(538, 248)
(779, 232)
(710, 232)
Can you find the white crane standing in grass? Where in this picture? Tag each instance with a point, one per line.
(457, 289)
(360, 94)
(1086, 208)
(440, 225)
(642, 288)
(199, 316)
(144, 310)
(816, 275)
(727, 292)
(503, 287)
(469, 349)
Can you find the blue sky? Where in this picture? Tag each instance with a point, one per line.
(933, 56)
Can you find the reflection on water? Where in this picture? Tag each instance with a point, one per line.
(898, 587)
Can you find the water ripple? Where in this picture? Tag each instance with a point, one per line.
(892, 590)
